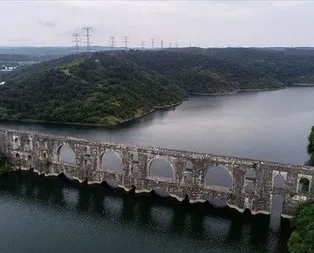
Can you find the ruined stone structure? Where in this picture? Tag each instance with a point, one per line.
(253, 182)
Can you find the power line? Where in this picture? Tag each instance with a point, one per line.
(76, 41)
(112, 42)
(125, 40)
(153, 42)
(88, 35)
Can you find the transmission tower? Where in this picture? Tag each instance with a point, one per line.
(153, 42)
(161, 44)
(170, 45)
(112, 42)
(88, 35)
(125, 40)
(176, 44)
(76, 41)
(142, 44)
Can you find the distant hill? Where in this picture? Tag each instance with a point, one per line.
(91, 89)
(286, 65)
(202, 74)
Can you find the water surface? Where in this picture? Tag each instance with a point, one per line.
(272, 125)
(48, 215)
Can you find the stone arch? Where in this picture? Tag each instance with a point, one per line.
(279, 181)
(29, 162)
(161, 167)
(66, 154)
(110, 160)
(304, 185)
(218, 176)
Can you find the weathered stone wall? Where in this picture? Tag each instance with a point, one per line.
(42, 153)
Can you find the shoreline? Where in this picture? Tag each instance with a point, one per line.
(156, 108)
(234, 92)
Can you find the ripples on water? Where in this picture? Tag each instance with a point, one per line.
(41, 214)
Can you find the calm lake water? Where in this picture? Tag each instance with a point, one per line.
(49, 215)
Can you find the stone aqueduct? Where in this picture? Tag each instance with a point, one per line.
(42, 153)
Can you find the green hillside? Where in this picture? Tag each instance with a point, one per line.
(200, 73)
(95, 89)
(310, 148)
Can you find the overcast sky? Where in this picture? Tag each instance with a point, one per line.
(203, 23)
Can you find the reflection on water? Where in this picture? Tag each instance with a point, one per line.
(50, 215)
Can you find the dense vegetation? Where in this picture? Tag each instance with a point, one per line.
(286, 65)
(302, 238)
(310, 148)
(96, 89)
(203, 74)
(5, 165)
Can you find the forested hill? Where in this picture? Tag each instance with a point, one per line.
(97, 89)
(200, 73)
(287, 65)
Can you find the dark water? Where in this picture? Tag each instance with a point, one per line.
(49, 215)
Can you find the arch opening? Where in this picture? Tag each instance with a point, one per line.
(16, 140)
(160, 192)
(279, 181)
(304, 185)
(189, 165)
(218, 176)
(111, 161)
(218, 203)
(29, 162)
(249, 187)
(134, 157)
(160, 167)
(17, 156)
(66, 154)
(251, 174)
